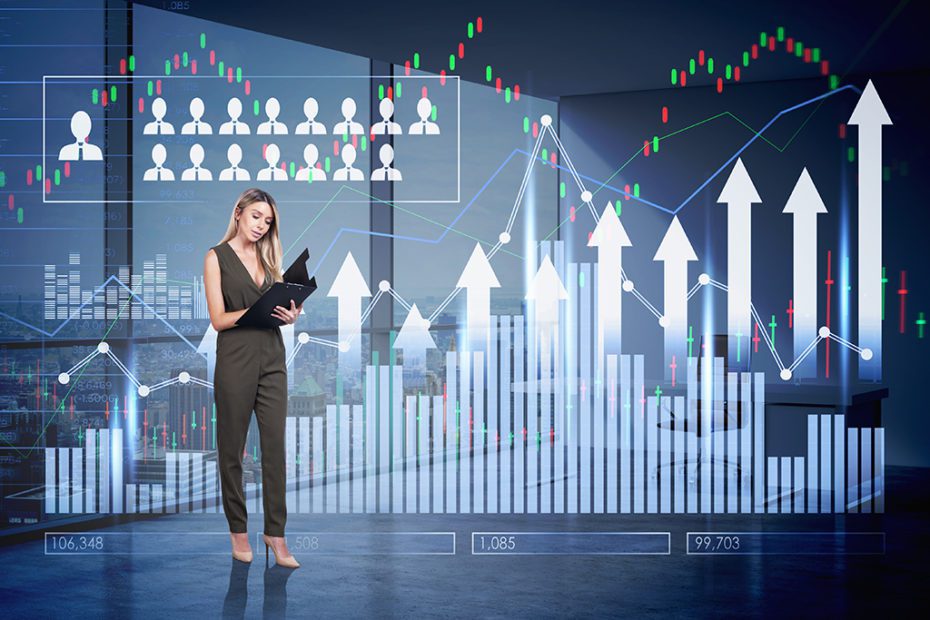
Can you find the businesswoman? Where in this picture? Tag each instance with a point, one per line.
(250, 367)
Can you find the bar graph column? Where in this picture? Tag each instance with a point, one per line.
(813, 454)
(519, 424)
(343, 469)
(853, 469)
(731, 424)
(384, 439)
(64, 481)
(90, 479)
(585, 388)
(878, 491)
(422, 461)
(693, 454)
(396, 410)
(680, 472)
(358, 459)
(798, 495)
(493, 440)
(719, 434)
(545, 422)
(199, 483)
(652, 453)
(505, 386)
(318, 467)
(437, 475)
(51, 486)
(665, 458)
(478, 433)
(371, 439)
(611, 434)
(639, 436)
(332, 452)
(303, 466)
(745, 435)
(758, 446)
(171, 482)
(839, 462)
(117, 470)
(826, 460)
(465, 435)
(706, 388)
(452, 456)
(532, 419)
(410, 454)
(771, 491)
(625, 407)
(598, 388)
(184, 491)
(865, 455)
(77, 479)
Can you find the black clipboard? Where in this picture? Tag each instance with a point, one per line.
(297, 286)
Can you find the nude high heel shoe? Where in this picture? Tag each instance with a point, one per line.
(242, 556)
(288, 562)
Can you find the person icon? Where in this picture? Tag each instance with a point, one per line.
(234, 126)
(387, 173)
(424, 125)
(196, 126)
(272, 126)
(348, 173)
(81, 149)
(348, 126)
(159, 125)
(311, 125)
(158, 173)
(386, 126)
(234, 172)
(196, 173)
(272, 172)
(311, 172)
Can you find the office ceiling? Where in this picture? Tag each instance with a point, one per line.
(554, 49)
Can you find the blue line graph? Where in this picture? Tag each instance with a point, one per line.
(600, 184)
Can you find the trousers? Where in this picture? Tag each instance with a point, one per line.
(251, 375)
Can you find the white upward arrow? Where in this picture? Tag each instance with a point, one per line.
(675, 252)
(547, 290)
(207, 348)
(805, 205)
(870, 115)
(609, 237)
(478, 279)
(414, 339)
(348, 288)
(739, 193)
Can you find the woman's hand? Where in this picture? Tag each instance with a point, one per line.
(288, 315)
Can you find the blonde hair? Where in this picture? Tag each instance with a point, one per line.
(269, 246)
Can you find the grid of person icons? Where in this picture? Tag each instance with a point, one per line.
(311, 170)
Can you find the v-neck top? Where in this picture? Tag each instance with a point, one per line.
(239, 289)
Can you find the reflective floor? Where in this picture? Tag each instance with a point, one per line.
(179, 566)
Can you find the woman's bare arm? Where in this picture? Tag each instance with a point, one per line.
(219, 318)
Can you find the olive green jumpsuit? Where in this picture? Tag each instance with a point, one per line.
(250, 375)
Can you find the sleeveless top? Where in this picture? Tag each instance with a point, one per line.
(239, 289)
